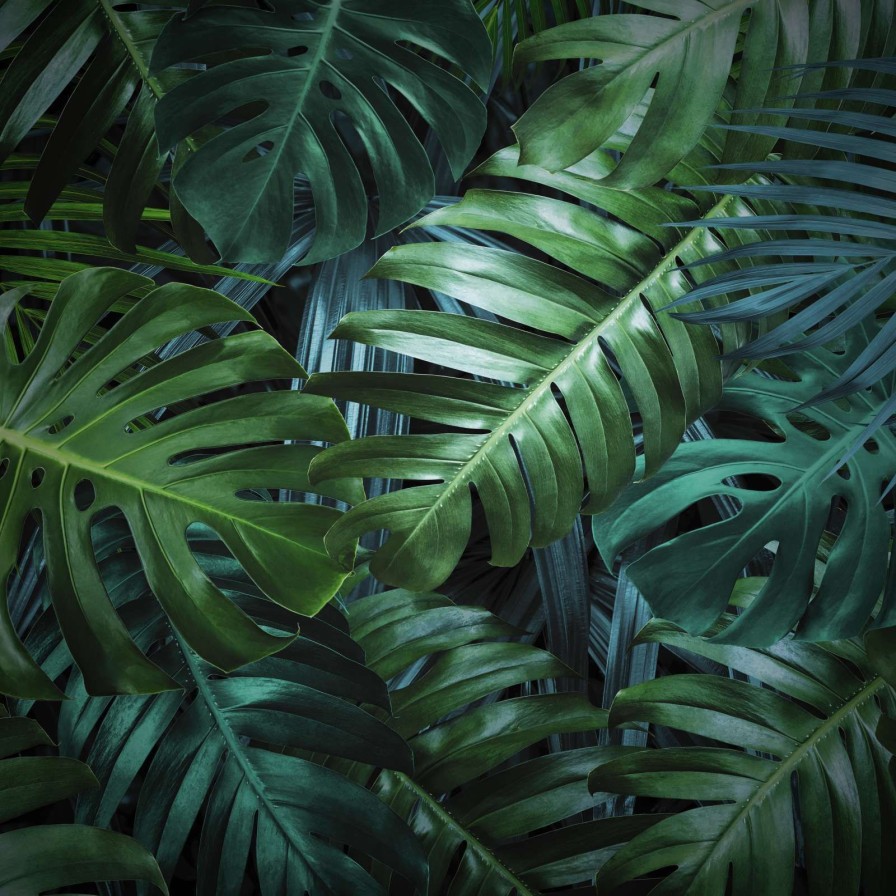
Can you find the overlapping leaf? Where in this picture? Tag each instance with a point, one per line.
(803, 746)
(70, 447)
(231, 753)
(96, 53)
(689, 47)
(785, 491)
(464, 700)
(567, 341)
(327, 74)
(841, 268)
(37, 858)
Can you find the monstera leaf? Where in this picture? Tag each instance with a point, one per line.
(75, 439)
(559, 336)
(317, 76)
(470, 716)
(787, 497)
(797, 743)
(688, 47)
(231, 754)
(38, 858)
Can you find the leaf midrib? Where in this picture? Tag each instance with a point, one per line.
(136, 57)
(531, 396)
(472, 841)
(786, 766)
(231, 740)
(137, 486)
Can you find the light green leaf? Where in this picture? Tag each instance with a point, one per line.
(559, 428)
(71, 446)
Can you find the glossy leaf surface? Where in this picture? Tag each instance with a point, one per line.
(472, 794)
(311, 65)
(559, 340)
(814, 724)
(37, 858)
(70, 447)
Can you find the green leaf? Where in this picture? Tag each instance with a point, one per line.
(530, 450)
(689, 47)
(463, 725)
(71, 446)
(233, 754)
(36, 859)
(822, 765)
(43, 857)
(308, 62)
(781, 477)
(110, 47)
(842, 266)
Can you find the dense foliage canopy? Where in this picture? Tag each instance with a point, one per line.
(447, 447)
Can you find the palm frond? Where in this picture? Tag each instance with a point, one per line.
(231, 753)
(844, 269)
(567, 342)
(796, 742)
(97, 52)
(464, 698)
(40, 857)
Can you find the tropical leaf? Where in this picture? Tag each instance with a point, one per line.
(801, 747)
(510, 21)
(843, 268)
(579, 339)
(69, 443)
(109, 43)
(230, 753)
(464, 701)
(780, 475)
(324, 73)
(689, 48)
(37, 858)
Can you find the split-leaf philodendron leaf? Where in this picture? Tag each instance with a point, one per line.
(786, 489)
(319, 77)
(75, 439)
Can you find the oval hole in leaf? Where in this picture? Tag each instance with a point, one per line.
(296, 51)
(259, 151)
(37, 476)
(808, 426)
(85, 494)
(60, 424)
(4, 466)
(754, 482)
(329, 90)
